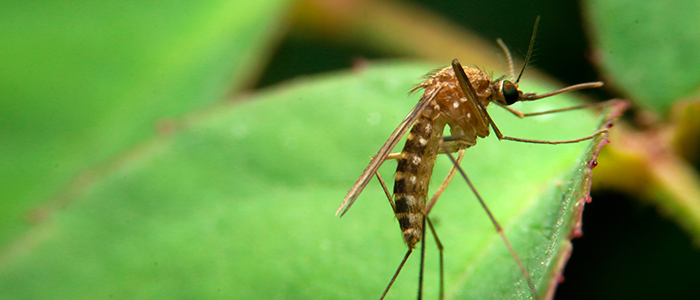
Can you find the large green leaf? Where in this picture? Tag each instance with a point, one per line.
(239, 203)
(82, 82)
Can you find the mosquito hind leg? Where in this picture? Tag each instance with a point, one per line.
(428, 207)
(440, 253)
(422, 263)
(453, 145)
(440, 247)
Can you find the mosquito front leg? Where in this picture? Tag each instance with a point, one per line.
(513, 111)
(532, 141)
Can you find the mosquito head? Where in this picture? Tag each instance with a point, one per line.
(507, 92)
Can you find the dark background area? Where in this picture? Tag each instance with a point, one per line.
(628, 250)
(561, 48)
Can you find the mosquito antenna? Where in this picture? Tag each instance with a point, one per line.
(529, 50)
(510, 58)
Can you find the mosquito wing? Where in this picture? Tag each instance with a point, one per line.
(472, 98)
(378, 159)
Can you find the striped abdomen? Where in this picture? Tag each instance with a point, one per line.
(415, 166)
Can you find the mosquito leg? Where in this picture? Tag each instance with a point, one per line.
(599, 104)
(453, 147)
(393, 156)
(511, 110)
(432, 202)
(386, 191)
(588, 137)
(442, 264)
(522, 115)
(444, 184)
(498, 227)
(396, 274)
(422, 263)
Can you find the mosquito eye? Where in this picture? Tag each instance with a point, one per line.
(510, 92)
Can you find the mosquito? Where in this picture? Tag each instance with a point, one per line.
(458, 97)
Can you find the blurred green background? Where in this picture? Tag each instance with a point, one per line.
(90, 90)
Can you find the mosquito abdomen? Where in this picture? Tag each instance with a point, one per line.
(413, 173)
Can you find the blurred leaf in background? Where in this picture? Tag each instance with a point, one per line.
(84, 82)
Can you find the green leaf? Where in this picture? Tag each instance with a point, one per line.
(239, 203)
(82, 82)
(648, 49)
